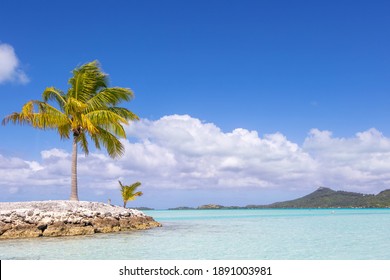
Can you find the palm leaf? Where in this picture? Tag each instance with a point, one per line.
(54, 94)
(108, 120)
(48, 117)
(74, 106)
(38, 114)
(134, 196)
(125, 113)
(64, 130)
(113, 146)
(24, 117)
(82, 140)
(86, 81)
(109, 97)
(128, 192)
(88, 125)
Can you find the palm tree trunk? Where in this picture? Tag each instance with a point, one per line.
(124, 204)
(74, 192)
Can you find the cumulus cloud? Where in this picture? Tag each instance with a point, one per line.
(187, 153)
(181, 152)
(10, 70)
(360, 162)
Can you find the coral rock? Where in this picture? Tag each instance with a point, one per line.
(68, 218)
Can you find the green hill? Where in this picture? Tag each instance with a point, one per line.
(328, 198)
(321, 198)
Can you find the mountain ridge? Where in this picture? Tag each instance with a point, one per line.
(323, 197)
(328, 198)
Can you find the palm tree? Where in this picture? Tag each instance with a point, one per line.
(88, 108)
(128, 192)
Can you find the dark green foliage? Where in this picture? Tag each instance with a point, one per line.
(328, 198)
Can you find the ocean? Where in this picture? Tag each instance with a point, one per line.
(268, 234)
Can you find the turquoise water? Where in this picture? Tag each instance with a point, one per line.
(324, 234)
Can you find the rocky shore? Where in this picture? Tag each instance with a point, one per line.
(68, 218)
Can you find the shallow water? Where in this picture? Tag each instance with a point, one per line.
(228, 234)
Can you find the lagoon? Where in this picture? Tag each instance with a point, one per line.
(274, 234)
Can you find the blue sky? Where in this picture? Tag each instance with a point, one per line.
(304, 85)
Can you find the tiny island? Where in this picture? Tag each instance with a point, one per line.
(88, 108)
(68, 218)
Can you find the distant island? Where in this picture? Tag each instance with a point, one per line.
(206, 207)
(321, 198)
(143, 208)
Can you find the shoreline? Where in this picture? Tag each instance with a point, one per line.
(55, 218)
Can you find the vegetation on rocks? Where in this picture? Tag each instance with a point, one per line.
(129, 192)
(328, 198)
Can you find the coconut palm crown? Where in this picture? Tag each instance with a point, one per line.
(129, 192)
(88, 108)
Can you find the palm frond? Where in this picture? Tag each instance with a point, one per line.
(38, 114)
(109, 97)
(128, 192)
(96, 140)
(48, 117)
(82, 140)
(54, 94)
(135, 185)
(108, 120)
(113, 119)
(134, 196)
(15, 118)
(125, 113)
(74, 106)
(88, 125)
(87, 80)
(24, 117)
(113, 146)
(64, 130)
(105, 116)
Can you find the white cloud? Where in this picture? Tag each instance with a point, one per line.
(10, 70)
(193, 154)
(361, 162)
(182, 152)
(54, 154)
